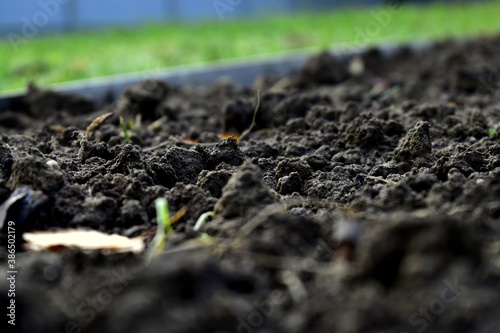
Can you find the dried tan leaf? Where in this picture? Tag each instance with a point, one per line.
(97, 122)
(82, 239)
(179, 215)
(228, 135)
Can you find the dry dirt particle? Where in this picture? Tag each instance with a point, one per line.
(417, 143)
(245, 194)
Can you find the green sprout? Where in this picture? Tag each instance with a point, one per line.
(163, 215)
(131, 124)
(163, 229)
(492, 133)
(203, 237)
(202, 219)
(125, 127)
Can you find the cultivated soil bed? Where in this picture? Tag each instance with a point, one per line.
(366, 198)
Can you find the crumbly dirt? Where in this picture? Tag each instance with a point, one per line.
(363, 200)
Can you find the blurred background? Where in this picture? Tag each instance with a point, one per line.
(54, 41)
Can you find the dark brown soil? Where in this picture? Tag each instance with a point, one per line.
(360, 202)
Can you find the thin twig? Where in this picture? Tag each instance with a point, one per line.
(248, 130)
(379, 179)
(209, 144)
(167, 143)
(258, 219)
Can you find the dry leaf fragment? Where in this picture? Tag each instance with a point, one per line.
(97, 123)
(228, 135)
(82, 239)
(179, 215)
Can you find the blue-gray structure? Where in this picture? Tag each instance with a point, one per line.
(27, 18)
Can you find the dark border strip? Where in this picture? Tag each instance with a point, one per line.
(106, 88)
(241, 72)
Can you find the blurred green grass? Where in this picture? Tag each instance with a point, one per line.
(59, 58)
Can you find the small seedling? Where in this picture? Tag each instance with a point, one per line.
(493, 133)
(203, 237)
(202, 219)
(163, 229)
(125, 127)
(163, 215)
(131, 124)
